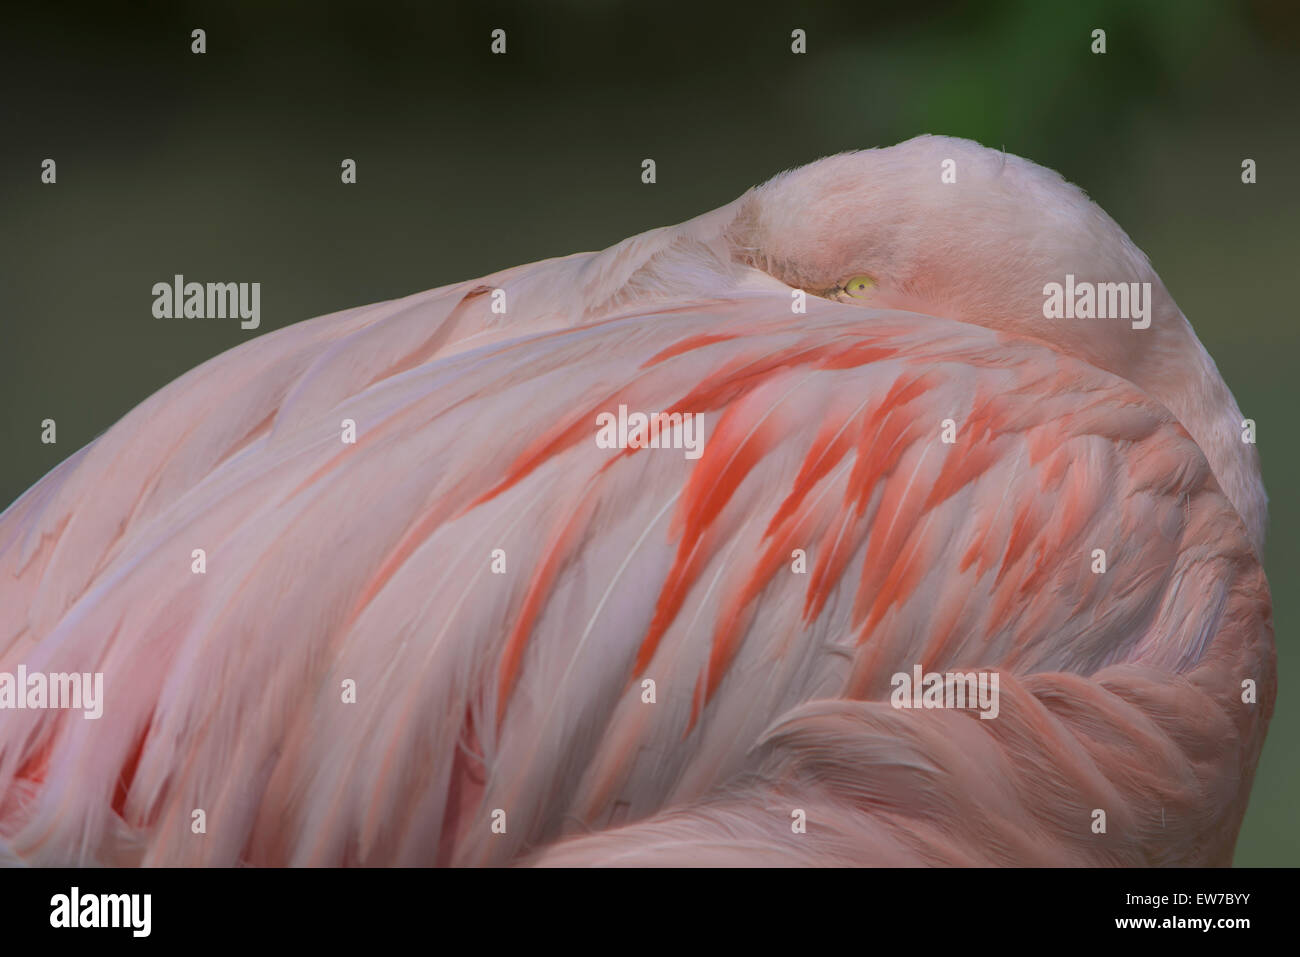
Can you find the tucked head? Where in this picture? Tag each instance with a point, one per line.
(947, 227)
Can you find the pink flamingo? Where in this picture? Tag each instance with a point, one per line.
(476, 636)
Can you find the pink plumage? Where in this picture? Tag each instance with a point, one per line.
(499, 587)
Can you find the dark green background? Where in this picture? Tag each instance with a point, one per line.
(226, 167)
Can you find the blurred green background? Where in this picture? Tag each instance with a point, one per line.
(225, 167)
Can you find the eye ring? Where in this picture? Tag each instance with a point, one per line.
(859, 286)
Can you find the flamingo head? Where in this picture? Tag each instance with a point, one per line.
(946, 227)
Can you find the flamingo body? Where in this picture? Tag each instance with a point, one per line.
(499, 588)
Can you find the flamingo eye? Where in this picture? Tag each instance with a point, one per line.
(859, 286)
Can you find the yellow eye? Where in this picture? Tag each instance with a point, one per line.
(859, 286)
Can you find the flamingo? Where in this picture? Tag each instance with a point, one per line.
(477, 636)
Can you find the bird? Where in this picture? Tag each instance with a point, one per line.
(434, 619)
